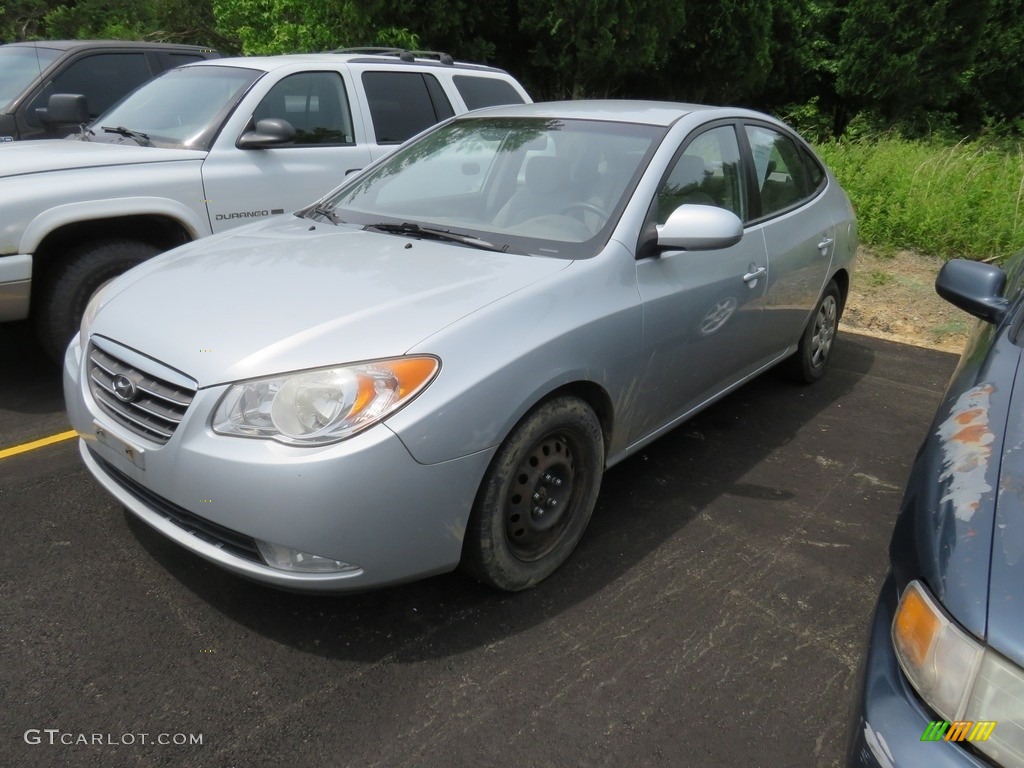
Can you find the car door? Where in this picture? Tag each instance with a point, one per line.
(799, 231)
(702, 309)
(242, 185)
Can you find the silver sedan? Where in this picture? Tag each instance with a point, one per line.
(432, 366)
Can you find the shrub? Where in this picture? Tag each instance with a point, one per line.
(964, 200)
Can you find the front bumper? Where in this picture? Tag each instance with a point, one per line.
(889, 719)
(363, 501)
(15, 286)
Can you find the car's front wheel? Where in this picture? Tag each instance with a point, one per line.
(537, 496)
(815, 348)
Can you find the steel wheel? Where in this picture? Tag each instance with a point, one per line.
(537, 496)
(540, 500)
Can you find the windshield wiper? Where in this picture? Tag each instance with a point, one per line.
(142, 139)
(415, 230)
(323, 210)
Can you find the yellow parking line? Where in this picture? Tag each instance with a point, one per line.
(7, 452)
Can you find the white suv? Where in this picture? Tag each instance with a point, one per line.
(203, 148)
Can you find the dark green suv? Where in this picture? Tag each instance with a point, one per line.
(103, 71)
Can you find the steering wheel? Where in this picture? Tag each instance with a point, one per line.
(586, 207)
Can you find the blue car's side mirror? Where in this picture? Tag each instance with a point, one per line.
(974, 287)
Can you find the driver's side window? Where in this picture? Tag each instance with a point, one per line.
(316, 106)
(706, 173)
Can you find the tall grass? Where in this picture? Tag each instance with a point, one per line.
(962, 200)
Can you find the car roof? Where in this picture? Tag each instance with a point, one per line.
(67, 45)
(271, 63)
(662, 113)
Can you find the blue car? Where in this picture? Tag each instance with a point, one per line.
(943, 677)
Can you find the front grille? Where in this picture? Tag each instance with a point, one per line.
(223, 538)
(158, 406)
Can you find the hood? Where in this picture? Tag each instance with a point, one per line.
(21, 157)
(961, 528)
(1006, 590)
(287, 295)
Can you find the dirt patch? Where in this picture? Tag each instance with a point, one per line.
(893, 297)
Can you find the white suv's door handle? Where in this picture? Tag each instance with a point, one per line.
(754, 273)
(826, 241)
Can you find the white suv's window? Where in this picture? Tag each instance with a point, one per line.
(316, 106)
(404, 103)
(479, 92)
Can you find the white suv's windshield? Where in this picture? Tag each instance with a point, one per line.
(543, 186)
(19, 66)
(182, 108)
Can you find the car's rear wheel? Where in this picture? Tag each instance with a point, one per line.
(60, 301)
(537, 496)
(815, 348)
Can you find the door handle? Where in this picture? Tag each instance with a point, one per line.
(826, 241)
(754, 273)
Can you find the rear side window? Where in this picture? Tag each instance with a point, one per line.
(480, 92)
(103, 78)
(786, 176)
(404, 103)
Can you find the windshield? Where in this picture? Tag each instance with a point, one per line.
(19, 66)
(542, 186)
(182, 108)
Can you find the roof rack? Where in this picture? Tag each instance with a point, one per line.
(400, 53)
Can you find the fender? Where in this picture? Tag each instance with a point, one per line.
(197, 225)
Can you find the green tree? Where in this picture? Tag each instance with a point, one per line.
(588, 47)
(717, 52)
(993, 89)
(284, 26)
(903, 58)
(22, 19)
(466, 29)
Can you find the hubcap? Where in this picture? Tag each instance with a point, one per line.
(824, 331)
(538, 506)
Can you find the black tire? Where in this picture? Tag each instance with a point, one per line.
(59, 302)
(552, 462)
(815, 348)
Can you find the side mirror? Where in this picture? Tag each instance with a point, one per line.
(699, 228)
(270, 132)
(65, 108)
(974, 287)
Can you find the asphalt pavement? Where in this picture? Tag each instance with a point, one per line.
(713, 615)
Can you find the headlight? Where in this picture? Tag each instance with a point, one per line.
(323, 405)
(958, 677)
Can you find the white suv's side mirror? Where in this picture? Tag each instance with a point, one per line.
(271, 132)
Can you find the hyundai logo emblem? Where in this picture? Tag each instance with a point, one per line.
(124, 388)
